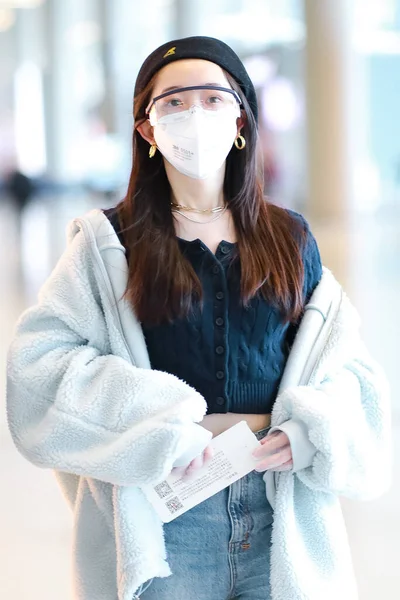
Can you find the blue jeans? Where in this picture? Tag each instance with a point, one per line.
(220, 549)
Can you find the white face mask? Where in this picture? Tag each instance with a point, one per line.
(198, 145)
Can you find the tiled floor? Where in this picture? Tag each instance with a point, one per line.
(34, 521)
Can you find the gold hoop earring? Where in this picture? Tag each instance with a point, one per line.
(153, 150)
(242, 142)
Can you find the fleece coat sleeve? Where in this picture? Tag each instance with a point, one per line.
(77, 404)
(339, 425)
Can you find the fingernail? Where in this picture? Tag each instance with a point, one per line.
(197, 463)
(188, 476)
(178, 470)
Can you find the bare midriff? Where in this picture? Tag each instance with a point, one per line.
(219, 422)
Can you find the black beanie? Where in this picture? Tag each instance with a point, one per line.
(206, 48)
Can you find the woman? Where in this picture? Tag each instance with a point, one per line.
(207, 284)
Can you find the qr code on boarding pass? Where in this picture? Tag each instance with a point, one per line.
(174, 505)
(163, 489)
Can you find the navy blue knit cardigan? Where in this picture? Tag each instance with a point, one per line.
(233, 355)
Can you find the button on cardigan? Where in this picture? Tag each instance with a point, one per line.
(233, 355)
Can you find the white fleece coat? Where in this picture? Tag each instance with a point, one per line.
(83, 400)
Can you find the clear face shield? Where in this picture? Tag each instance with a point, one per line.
(177, 105)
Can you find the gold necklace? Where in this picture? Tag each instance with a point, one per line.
(218, 216)
(217, 209)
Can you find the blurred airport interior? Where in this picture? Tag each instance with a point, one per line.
(327, 75)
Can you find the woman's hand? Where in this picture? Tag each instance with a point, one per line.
(274, 453)
(196, 464)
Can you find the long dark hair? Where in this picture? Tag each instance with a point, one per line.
(162, 284)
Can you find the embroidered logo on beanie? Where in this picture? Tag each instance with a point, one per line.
(170, 52)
